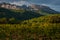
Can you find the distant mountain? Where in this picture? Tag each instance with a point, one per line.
(12, 6)
(32, 7)
(43, 8)
(8, 5)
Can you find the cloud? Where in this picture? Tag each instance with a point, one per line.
(0, 1)
(54, 2)
(20, 3)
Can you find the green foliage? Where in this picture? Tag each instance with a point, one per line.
(40, 28)
(28, 25)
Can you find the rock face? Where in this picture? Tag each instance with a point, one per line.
(8, 6)
(34, 7)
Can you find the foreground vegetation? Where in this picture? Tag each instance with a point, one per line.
(41, 28)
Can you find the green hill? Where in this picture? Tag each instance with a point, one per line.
(41, 28)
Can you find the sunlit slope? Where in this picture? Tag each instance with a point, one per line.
(42, 28)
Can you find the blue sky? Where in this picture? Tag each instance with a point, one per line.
(54, 4)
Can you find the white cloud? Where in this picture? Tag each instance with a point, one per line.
(20, 3)
(0, 1)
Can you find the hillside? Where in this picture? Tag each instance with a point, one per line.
(41, 28)
(44, 19)
(22, 20)
(14, 16)
(43, 8)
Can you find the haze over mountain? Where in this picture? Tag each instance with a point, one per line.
(54, 4)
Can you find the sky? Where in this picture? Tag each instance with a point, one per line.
(54, 4)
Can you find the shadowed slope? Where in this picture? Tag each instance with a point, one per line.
(17, 15)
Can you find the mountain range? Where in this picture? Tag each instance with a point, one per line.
(32, 7)
(54, 4)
